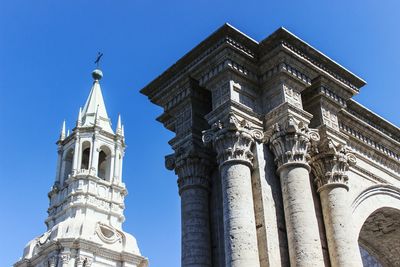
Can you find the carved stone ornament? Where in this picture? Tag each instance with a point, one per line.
(87, 262)
(290, 142)
(108, 234)
(330, 163)
(65, 257)
(233, 140)
(191, 166)
(79, 260)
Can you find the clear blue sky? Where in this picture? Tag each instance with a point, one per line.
(47, 50)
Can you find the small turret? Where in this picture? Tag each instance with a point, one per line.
(62, 134)
(118, 131)
(79, 120)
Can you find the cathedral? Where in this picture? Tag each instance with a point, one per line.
(276, 163)
(85, 214)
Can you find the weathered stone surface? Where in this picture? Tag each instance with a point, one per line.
(292, 92)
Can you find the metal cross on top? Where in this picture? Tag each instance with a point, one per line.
(97, 61)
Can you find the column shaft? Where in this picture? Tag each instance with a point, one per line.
(343, 251)
(241, 247)
(195, 227)
(301, 222)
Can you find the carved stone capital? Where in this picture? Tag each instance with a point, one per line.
(65, 258)
(191, 166)
(290, 142)
(87, 262)
(330, 163)
(233, 140)
(79, 260)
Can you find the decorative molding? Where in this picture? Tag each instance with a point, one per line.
(191, 166)
(223, 41)
(65, 258)
(108, 234)
(368, 141)
(290, 142)
(317, 64)
(227, 64)
(285, 67)
(233, 139)
(330, 163)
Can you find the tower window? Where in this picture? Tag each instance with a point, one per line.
(68, 158)
(85, 155)
(103, 168)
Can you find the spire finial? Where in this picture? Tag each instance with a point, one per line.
(97, 74)
(119, 128)
(79, 121)
(62, 134)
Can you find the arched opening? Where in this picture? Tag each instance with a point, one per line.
(68, 159)
(85, 155)
(104, 165)
(379, 238)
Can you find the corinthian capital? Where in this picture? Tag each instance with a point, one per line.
(330, 163)
(290, 142)
(192, 167)
(233, 140)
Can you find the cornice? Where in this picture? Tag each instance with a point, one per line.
(374, 120)
(369, 135)
(226, 36)
(308, 53)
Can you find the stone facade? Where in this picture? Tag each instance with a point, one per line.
(277, 165)
(85, 215)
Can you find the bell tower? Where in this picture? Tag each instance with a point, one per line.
(85, 214)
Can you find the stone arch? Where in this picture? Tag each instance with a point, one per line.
(376, 217)
(68, 158)
(85, 158)
(104, 164)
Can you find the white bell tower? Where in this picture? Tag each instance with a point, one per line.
(84, 226)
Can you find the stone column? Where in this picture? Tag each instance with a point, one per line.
(233, 142)
(65, 258)
(59, 163)
(290, 143)
(79, 261)
(330, 164)
(75, 163)
(193, 181)
(94, 158)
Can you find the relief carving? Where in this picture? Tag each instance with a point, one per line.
(290, 142)
(233, 139)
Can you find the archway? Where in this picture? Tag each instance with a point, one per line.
(68, 158)
(104, 165)
(376, 213)
(85, 155)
